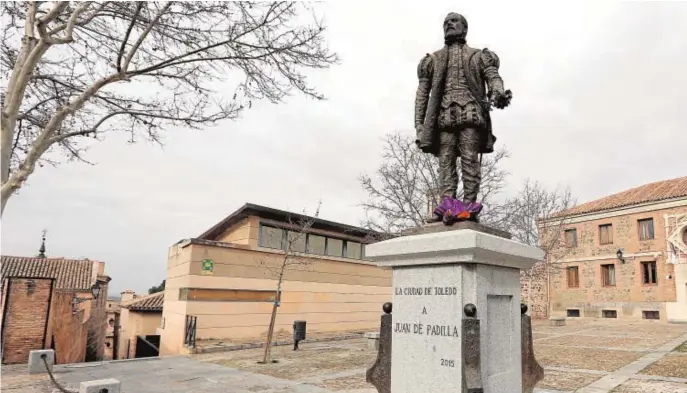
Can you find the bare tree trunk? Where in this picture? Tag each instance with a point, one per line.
(270, 332)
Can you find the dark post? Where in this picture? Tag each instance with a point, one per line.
(532, 372)
(379, 375)
(298, 333)
(472, 362)
(115, 337)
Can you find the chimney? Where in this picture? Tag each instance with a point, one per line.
(128, 294)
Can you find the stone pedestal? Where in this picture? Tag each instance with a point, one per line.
(435, 275)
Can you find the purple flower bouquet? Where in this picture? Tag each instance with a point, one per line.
(452, 210)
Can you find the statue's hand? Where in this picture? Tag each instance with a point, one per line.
(501, 99)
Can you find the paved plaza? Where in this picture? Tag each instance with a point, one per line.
(585, 356)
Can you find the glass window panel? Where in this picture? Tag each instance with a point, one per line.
(353, 250)
(296, 241)
(316, 244)
(271, 237)
(334, 247)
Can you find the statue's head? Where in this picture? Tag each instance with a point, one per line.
(455, 28)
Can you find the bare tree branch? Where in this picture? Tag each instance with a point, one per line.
(290, 239)
(85, 69)
(528, 219)
(407, 183)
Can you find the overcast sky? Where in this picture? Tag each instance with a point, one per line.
(599, 106)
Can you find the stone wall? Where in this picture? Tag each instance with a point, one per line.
(534, 291)
(630, 296)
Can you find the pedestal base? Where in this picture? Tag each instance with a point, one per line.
(435, 275)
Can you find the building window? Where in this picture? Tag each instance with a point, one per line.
(573, 277)
(316, 244)
(608, 275)
(609, 314)
(296, 241)
(649, 273)
(571, 238)
(606, 234)
(282, 239)
(646, 229)
(353, 250)
(271, 237)
(574, 313)
(335, 247)
(651, 315)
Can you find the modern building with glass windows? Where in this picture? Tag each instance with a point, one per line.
(221, 286)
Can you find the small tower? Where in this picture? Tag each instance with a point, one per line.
(41, 250)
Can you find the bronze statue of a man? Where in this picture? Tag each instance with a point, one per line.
(453, 121)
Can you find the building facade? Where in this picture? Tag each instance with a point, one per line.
(223, 283)
(49, 303)
(139, 320)
(622, 256)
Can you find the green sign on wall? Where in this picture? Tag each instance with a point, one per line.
(207, 267)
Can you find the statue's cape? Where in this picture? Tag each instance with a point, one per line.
(428, 137)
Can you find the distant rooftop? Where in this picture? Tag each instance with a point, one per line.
(72, 274)
(649, 193)
(145, 303)
(250, 209)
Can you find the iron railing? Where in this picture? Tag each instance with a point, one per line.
(190, 331)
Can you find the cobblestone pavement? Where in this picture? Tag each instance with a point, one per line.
(586, 356)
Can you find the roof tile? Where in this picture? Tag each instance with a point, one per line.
(652, 192)
(71, 274)
(146, 303)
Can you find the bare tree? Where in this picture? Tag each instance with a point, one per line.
(532, 218)
(293, 242)
(407, 181)
(77, 70)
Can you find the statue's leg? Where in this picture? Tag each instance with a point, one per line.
(469, 163)
(448, 155)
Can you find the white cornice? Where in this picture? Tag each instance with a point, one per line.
(623, 211)
(654, 254)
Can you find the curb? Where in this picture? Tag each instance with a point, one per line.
(239, 347)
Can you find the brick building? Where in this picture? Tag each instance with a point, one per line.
(112, 310)
(48, 303)
(622, 256)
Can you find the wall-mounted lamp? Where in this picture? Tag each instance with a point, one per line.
(95, 291)
(668, 277)
(30, 287)
(619, 255)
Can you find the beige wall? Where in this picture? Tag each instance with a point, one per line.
(133, 324)
(630, 296)
(331, 294)
(244, 232)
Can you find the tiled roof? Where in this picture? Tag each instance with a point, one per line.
(72, 274)
(146, 303)
(652, 192)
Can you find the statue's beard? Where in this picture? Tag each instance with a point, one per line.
(450, 38)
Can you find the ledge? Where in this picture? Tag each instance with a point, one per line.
(452, 247)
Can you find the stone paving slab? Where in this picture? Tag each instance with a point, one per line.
(612, 381)
(168, 375)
